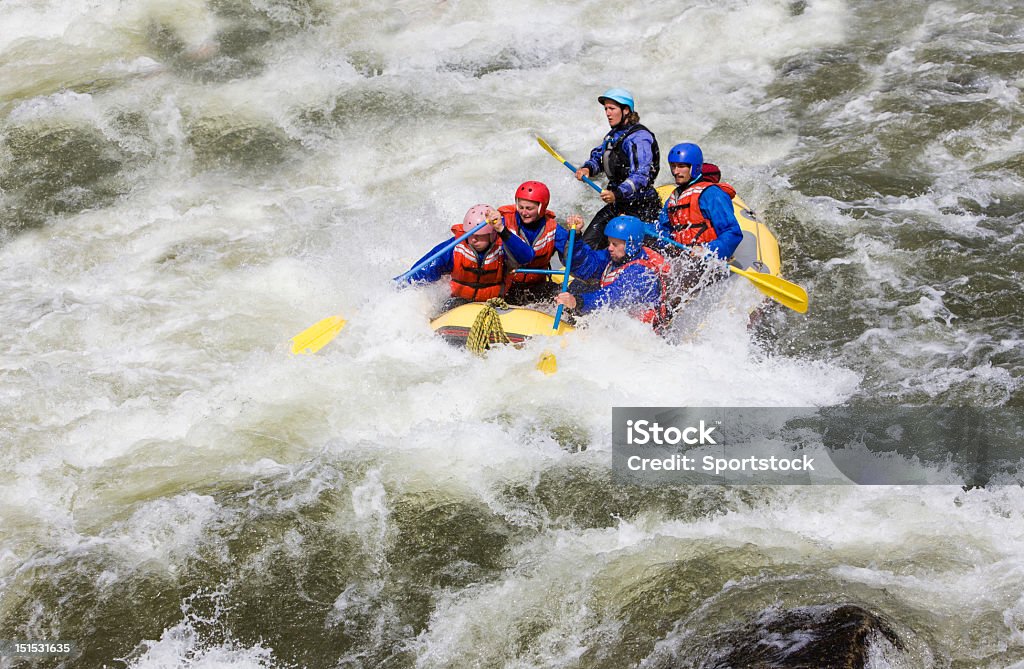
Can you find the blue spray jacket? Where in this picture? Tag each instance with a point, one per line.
(635, 286)
(640, 149)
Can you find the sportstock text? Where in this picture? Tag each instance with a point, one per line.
(645, 433)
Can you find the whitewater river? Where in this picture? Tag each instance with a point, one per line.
(186, 184)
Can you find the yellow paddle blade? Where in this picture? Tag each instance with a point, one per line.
(315, 337)
(548, 363)
(777, 288)
(547, 147)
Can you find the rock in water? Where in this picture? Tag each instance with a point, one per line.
(812, 637)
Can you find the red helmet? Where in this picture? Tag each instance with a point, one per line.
(478, 214)
(534, 191)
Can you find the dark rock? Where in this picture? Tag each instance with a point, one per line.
(811, 637)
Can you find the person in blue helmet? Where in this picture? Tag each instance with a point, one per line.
(629, 157)
(699, 212)
(632, 276)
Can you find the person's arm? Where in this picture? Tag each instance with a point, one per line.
(716, 205)
(594, 162)
(434, 270)
(519, 250)
(586, 262)
(636, 285)
(639, 148)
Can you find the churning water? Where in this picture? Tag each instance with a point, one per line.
(185, 184)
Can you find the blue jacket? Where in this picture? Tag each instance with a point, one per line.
(639, 148)
(716, 205)
(636, 286)
(520, 251)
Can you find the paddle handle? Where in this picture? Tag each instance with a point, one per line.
(565, 279)
(434, 256)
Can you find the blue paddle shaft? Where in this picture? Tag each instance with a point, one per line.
(587, 180)
(651, 232)
(568, 265)
(447, 247)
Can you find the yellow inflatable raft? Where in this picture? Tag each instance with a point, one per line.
(759, 252)
(519, 323)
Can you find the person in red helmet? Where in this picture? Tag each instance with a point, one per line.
(531, 220)
(481, 265)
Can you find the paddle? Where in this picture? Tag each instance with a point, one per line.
(789, 294)
(547, 363)
(565, 279)
(527, 270)
(777, 288)
(440, 252)
(318, 335)
(586, 179)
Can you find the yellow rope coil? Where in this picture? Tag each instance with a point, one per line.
(487, 329)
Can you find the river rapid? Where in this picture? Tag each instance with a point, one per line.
(186, 184)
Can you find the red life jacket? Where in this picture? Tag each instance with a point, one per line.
(475, 280)
(686, 221)
(543, 243)
(657, 264)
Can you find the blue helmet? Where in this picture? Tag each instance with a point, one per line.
(629, 229)
(691, 155)
(618, 95)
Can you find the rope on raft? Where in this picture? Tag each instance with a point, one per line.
(487, 329)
